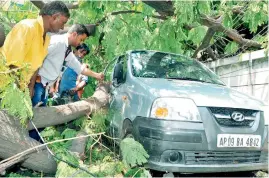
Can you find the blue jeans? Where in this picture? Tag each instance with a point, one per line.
(39, 94)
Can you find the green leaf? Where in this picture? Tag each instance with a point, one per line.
(133, 152)
(204, 7)
(49, 132)
(231, 48)
(69, 133)
(228, 21)
(197, 34)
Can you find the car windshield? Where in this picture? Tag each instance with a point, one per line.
(151, 64)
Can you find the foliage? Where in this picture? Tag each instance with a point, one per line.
(133, 152)
(231, 48)
(138, 172)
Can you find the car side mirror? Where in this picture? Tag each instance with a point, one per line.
(117, 75)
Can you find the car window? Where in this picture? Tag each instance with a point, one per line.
(123, 60)
(151, 64)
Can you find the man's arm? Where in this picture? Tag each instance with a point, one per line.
(31, 85)
(81, 85)
(88, 72)
(74, 64)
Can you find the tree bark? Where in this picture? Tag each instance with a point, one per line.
(2, 35)
(206, 41)
(15, 139)
(231, 33)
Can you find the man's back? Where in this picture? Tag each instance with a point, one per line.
(25, 45)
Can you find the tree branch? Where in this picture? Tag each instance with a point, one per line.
(38, 4)
(164, 8)
(117, 13)
(231, 33)
(205, 43)
(211, 54)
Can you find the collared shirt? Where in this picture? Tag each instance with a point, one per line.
(25, 45)
(53, 63)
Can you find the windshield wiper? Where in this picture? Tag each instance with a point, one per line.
(192, 79)
(186, 78)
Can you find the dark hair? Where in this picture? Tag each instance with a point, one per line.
(80, 29)
(55, 7)
(84, 47)
(91, 29)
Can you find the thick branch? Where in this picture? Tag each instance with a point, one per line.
(205, 43)
(211, 54)
(164, 8)
(231, 33)
(50, 116)
(117, 13)
(38, 4)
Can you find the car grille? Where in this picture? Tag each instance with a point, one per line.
(193, 158)
(223, 116)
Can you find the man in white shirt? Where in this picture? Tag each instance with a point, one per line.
(59, 52)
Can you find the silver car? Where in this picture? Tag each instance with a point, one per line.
(184, 115)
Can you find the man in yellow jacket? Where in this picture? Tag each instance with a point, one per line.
(26, 45)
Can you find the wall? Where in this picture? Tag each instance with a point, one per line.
(248, 73)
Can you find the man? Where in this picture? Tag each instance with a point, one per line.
(69, 80)
(59, 52)
(27, 43)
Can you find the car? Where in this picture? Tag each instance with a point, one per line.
(185, 117)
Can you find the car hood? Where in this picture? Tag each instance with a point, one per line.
(203, 94)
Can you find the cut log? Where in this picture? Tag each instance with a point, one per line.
(15, 139)
(50, 116)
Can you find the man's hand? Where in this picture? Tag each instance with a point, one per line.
(73, 91)
(100, 76)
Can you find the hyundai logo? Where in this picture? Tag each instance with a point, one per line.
(238, 116)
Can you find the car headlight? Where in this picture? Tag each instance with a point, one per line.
(266, 114)
(183, 109)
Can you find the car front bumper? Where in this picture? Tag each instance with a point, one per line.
(177, 146)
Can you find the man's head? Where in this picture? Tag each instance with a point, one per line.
(57, 14)
(82, 50)
(77, 34)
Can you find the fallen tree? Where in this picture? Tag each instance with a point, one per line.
(15, 139)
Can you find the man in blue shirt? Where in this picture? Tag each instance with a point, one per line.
(69, 82)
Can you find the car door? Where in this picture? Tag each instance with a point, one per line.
(118, 99)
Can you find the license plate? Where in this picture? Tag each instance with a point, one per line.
(237, 140)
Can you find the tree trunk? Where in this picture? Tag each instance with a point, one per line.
(15, 139)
